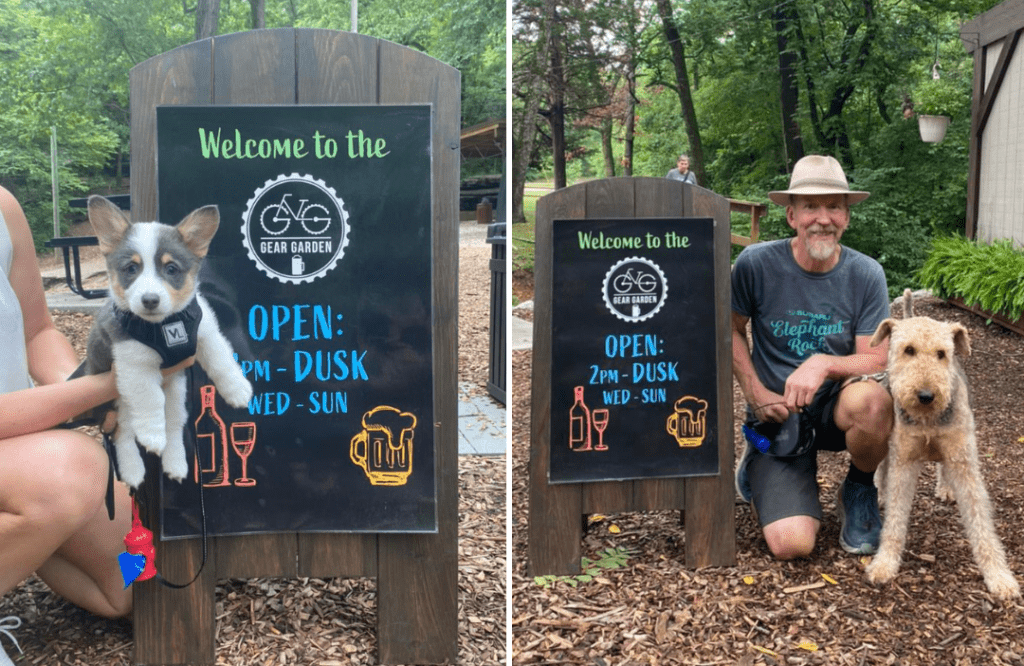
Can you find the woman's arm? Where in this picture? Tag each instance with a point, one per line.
(51, 358)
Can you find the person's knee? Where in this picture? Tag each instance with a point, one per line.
(69, 480)
(866, 406)
(791, 538)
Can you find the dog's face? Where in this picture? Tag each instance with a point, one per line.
(923, 371)
(152, 267)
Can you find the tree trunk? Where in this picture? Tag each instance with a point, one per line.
(555, 112)
(606, 147)
(522, 150)
(696, 152)
(789, 92)
(627, 148)
(258, 13)
(207, 18)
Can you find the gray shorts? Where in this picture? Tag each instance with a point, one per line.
(784, 487)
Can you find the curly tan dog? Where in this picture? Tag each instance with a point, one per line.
(934, 421)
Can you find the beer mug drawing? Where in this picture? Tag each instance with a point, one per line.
(384, 447)
(298, 265)
(688, 423)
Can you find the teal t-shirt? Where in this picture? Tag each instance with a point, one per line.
(795, 314)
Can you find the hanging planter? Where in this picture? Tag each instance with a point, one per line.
(932, 128)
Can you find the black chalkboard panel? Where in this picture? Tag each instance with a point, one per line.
(320, 275)
(633, 379)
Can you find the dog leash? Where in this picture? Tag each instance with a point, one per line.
(202, 513)
(108, 446)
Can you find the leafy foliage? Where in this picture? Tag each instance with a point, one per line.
(609, 558)
(64, 64)
(988, 275)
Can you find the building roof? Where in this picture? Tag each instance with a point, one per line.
(485, 139)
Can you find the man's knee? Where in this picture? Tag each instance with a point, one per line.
(791, 538)
(866, 406)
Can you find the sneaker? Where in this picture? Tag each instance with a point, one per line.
(742, 477)
(7, 624)
(858, 515)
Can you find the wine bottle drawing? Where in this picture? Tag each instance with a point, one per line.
(213, 434)
(579, 423)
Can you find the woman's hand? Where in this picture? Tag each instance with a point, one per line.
(109, 424)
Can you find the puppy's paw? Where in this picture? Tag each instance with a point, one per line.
(236, 390)
(882, 569)
(153, 439)
(174, 463)
(130, 468)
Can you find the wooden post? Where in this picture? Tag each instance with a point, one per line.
(556, 509)
(416, 573)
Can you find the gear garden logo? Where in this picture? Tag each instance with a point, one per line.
(634, 289)
(295, 228)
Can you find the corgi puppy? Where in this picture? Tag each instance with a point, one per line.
(154, 319)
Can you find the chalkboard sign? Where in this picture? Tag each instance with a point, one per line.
(633, 377)
(320, 276)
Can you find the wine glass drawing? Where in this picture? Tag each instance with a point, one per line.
(243, 439)
(600, 418)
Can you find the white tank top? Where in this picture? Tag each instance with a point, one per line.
(13, 356)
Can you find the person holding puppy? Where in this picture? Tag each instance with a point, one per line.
(53, 521)
(812, 305)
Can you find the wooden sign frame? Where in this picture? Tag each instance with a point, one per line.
(555, 511)
(417, 574)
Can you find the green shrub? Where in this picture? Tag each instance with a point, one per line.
(990, 276)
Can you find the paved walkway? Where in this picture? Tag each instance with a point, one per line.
(482, 423)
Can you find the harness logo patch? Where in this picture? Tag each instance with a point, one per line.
(175, 334)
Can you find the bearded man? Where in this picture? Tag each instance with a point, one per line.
(810, 376)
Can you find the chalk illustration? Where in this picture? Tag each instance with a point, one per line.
(212, 435)
(600, 419)
(688, 421)
(583, 423)
(579, 423)
(383, 449)
(243, 440)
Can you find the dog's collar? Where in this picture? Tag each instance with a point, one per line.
(174, 338)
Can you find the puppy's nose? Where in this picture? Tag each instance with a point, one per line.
(150, 301)
(925, 397)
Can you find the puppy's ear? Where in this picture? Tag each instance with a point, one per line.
(198, 229)
(883, 331)
(108, 222)
(961, 342)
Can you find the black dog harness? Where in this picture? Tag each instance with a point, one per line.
(174, 338)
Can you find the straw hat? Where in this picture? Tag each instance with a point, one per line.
(817, 174)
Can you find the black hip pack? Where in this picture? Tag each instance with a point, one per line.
(793, 437)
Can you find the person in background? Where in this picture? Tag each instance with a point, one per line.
(682, 171)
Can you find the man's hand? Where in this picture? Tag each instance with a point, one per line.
(803, 384)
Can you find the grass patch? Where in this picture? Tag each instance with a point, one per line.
(523, 234)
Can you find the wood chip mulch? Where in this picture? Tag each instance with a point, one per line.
(656, 612)
(313, 621)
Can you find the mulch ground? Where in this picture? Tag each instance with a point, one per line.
(653, 611)
(323, 622)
